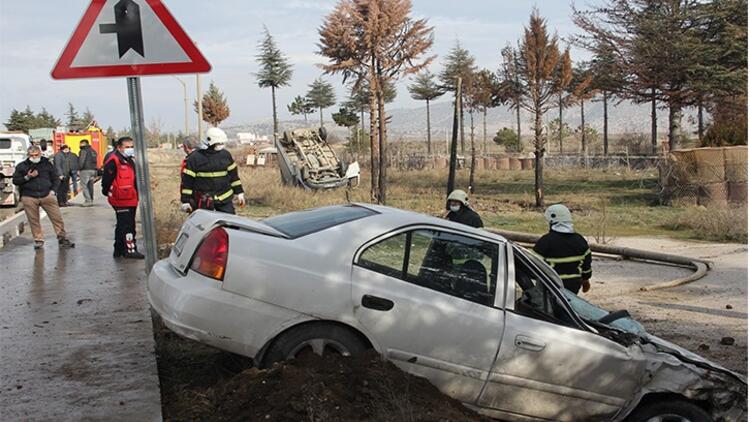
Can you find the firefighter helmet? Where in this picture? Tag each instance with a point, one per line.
(215, 136)
(558, 213)
(460, 196)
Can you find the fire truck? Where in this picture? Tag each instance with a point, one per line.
(93, 134)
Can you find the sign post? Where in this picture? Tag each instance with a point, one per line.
(131, 38)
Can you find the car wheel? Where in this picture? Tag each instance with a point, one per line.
(317, 338)
(670, 411)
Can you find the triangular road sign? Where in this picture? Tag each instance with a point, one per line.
(128, 38)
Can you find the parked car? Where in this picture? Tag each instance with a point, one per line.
(484, 320)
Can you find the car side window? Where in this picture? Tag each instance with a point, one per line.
(534, 299)
(385, 257)
(457, 265)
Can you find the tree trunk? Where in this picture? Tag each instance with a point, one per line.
(382, 184)
(518, 121)
(321, 116)
(374, 149)
(473, 152)
(461, 123)
(700, 121)
(275, 118)
(675, 115)
(429, 135)
(584, 147)
(361, 131)
(484, 130)
(454, 140)
(560, 121)
(606, 127)
(654, 145)
(538, 159)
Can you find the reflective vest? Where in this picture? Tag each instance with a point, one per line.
(567, 253)
(123, 192)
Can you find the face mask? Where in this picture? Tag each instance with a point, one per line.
(35, 160)
(218, 147)
(455, 208)
(129, 152)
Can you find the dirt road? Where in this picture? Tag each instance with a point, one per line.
(695, 316)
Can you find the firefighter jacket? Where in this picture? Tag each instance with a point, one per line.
(209, 174)
(119, 182)
(568, 254)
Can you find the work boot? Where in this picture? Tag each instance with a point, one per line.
(134, 255)
(65, 243)
(117, 254)
(38, 244)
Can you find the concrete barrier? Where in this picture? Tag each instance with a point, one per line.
(14, 226)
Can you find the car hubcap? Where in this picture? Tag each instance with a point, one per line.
(319, 346)
(668, 418)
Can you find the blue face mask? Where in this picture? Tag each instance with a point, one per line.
(129, 152)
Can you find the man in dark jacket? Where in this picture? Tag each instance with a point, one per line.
(459, 210)
(565, 250)
(210, 179)
(87, 172)
(66, 164)
(37, 181)
(120, 187)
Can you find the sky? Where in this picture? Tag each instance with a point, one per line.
(34, 33)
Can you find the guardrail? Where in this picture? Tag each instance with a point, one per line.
(14, 226)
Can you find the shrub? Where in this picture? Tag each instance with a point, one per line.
(509, 139)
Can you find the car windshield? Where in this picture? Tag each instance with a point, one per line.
(584, 309)
(302, 223)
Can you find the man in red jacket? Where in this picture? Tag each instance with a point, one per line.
(119, 186)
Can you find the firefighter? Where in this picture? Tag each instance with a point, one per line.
(210, 179)
(119, 186)
(459, 210)
(565, 250)
(188, 146)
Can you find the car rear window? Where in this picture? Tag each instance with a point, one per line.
(301, 223)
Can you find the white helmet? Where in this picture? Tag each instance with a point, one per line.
(215, 136)
(558, 213)
(460, 196)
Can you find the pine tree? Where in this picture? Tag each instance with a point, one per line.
(87, 118)
(487, 93)
(458, 63)
(215, 108)
(563, 78)
(425, 89)
(21, 120)
(45, 119)
(539, 61)
(608, 80)
(275, 71)
(74, 119)
(510, 82)
(581, 91)
(320, 96)
(347, 118)
(300, 105)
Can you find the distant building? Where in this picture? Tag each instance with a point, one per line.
(250, 138)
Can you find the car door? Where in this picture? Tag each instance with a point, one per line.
(550, 365)
(427, 298)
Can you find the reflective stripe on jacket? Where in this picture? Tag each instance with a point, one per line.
(212, 173)
(567, 253)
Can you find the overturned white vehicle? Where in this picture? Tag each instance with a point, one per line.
(482, 319)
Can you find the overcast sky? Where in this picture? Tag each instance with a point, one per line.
(33, 33)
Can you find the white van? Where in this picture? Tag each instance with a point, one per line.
(13, 148)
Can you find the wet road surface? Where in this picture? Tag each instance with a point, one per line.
(76, 339)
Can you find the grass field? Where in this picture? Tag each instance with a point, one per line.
(606, 203)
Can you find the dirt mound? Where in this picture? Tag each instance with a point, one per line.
(332, 388)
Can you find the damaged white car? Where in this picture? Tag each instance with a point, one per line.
(482, 319)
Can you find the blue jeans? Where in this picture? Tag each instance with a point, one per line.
(74, 180)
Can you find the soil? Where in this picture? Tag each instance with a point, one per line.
(225, 387)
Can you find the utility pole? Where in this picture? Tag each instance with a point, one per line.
(184, 96)
(199, 96)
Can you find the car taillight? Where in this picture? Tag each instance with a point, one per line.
(210, 258)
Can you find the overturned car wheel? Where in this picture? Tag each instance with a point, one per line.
(316, 338)
(670, 411)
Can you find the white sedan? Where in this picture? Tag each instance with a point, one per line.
(481, 318)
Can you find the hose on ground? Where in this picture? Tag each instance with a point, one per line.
(700, 267)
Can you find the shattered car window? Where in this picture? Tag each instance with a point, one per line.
(301, 223)
(592, 312)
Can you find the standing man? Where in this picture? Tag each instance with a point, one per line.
(64, 165)
(565, 250)
(119, 186)
(37, 181)
(188, 146)
(459, 210)
(210, 179)
(87, 171)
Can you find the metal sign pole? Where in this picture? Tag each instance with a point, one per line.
(141, 169)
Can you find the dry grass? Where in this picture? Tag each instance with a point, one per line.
(717, 224)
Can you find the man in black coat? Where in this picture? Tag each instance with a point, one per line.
(37, 181)
(459, 210)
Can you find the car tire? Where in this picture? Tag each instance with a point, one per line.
(320, 337)
(669, 411)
